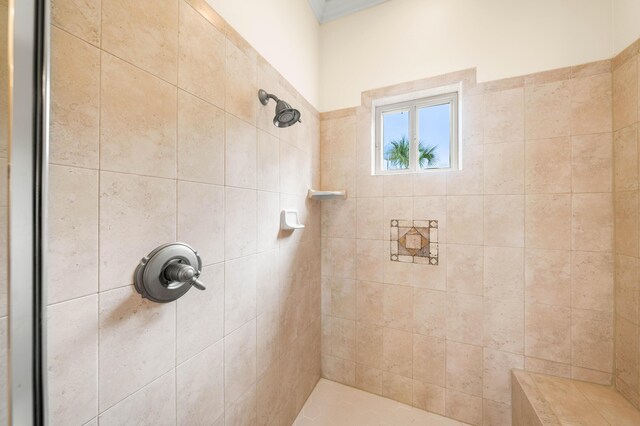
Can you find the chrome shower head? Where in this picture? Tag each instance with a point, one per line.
(285, 115)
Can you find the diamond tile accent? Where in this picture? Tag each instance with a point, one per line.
(414, 241)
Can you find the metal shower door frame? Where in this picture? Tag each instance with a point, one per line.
(28, 174)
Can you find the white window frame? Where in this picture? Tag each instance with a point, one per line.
(412, 102)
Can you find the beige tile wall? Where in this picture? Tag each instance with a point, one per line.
(525, 278)
(157, 135)
(626, 114)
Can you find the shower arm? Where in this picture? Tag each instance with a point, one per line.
(264, 97)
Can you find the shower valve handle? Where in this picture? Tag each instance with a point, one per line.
(183, 273)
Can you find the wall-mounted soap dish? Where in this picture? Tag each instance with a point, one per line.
(327, 195)
(289, 220)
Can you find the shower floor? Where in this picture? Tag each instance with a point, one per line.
(333, 404)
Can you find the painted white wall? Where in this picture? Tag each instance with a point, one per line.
(626, 23)
(403, 40)
(285, 32)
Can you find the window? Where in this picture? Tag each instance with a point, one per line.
(417, 135)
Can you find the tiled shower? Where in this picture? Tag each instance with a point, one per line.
(427, 289)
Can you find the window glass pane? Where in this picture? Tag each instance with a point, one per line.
(434, 132)
(396, 143)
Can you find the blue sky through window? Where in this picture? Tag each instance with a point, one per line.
(434, 129)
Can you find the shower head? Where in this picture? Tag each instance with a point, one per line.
(285, 115)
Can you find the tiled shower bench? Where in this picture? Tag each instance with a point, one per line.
(539, 400)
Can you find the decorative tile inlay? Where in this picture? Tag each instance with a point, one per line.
(414, 241)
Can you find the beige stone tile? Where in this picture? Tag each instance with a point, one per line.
(240, 222)
(268, 220)
(369, 344)
(398, 307)
(73, 233)
(504, 220)
(268, 339)
(147, 40)
(429, 312)
(80, 18)
(396, 208)
(339, 370)
(138, 120)
(432, 208)
(429, 359)
(268, 162)
(625, 157)
(428, 397)
(268, 397)
(504, 325)
(343, 298)
(463, 407)
(339, 137)
(504, 273)
(544, 366)
(338, 218)
(370, 302)
(433, 277)
(241, 92)
(239, 362)
(343, 257)
(240, 153)
(464, 318)
(239, 292)
(156, 403)
(625, 94)
(504, 168)
(201, 59)
(200, 140)
(200, 386)
(592, 280)
(472, 108)
(548, 277)
(626, 352)
(504, 116)
(72, 357)
(129, 359)
(339, 173)
(430, 184)
(399, 388)
(201, 219)
(497, 366)
(591, 68)
(398, 185)
(464, 368)
(592, 164)
(465, 219)
(626, 222)
(343, 338)
(548, 221)
(195, 309)
(548, 165)
(592, 222)
(548, 110)
(626, 288)
(592, 340)
(366, 184)
(465, 266)
(243, 411)
(591, 103)
(325, 342)
(548, 332)
(495, 413)
(397, 273)
(369, 379)
(371, 256)
(467, 180)
(75, 94)
(207, 10)
(397, 352)
(137, 214)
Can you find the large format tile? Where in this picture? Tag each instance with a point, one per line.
(73, 233)
(137, 343)
(72, 352)
(138, 121)
(147, 40)
(80, 18)
(137, 214)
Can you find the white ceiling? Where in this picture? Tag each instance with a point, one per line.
(327, 10)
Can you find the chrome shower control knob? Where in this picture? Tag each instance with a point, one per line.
(168, 272)
(180, 272)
